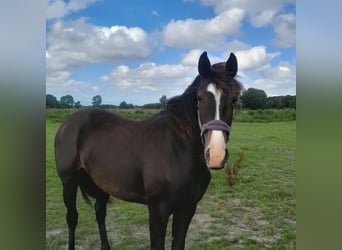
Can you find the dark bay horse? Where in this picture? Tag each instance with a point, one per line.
(162, 161)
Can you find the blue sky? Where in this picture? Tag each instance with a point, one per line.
(136, 51)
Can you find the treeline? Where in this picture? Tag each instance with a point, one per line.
(67, 101)
(254, 99)
(240, 115)
(257, 99)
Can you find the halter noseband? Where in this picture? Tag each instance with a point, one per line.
(215, 125)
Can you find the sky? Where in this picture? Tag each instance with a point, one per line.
(139, 50)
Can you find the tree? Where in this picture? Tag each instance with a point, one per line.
(97, 100)
(274, 102)
(254, 98)
(77, 104)
(123, 105)
(163, 101)
(130, 106)
(289, 101)
(51, 101)
(66, 101)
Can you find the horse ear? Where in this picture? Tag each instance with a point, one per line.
(232, 65)
(204, 66)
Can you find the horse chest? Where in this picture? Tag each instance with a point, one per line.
(199, 186)
(190, 187)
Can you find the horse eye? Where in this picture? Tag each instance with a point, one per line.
(199, 98)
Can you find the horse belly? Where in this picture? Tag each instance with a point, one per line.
(117, 175)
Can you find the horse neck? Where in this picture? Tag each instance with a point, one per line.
(183, 114)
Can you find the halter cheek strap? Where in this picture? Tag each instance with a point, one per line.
(215, 125)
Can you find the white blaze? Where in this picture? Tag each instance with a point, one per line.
(217, 95)
(216, 145)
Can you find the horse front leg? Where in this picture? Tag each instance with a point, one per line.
(158, 218)
(180, 224)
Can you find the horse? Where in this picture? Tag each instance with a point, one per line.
(163, 161)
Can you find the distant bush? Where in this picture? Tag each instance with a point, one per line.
(242, 115)
(265, 115)
(152, 106)
(60, 115)
(135, 115)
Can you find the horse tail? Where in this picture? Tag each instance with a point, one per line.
(85, 195)
(85, 184)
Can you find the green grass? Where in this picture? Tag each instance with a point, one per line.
(258, 212)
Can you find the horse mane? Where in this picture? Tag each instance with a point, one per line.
(183, 107)
(183, 110)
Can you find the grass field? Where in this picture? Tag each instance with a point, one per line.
(258, 212)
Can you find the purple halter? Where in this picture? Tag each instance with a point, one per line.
(215, 125)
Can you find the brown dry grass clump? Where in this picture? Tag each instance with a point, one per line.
(231, 174)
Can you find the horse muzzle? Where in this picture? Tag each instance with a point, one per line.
(216, 159)
(216, 153)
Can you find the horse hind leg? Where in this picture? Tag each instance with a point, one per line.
(88, 187)
(100, 210)
(69, 197)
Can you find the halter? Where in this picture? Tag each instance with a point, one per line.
(215, 125)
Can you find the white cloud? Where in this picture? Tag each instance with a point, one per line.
(255, 70)
(77, 43)
(249, 58)
(191, 58)
(59, 9)
(278, 80)
(253, 8)
(285, 29)
(254, 58)
(155, 13)
(169, 78)
(236, 45)
(262, 13)
(210, 33)
(151, 76)
(263, 18)
(61, 82)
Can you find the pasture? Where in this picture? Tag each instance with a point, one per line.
(258, 212)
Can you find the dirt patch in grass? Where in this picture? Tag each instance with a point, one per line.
(248, 224)
(243, 226)
(50, 234)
